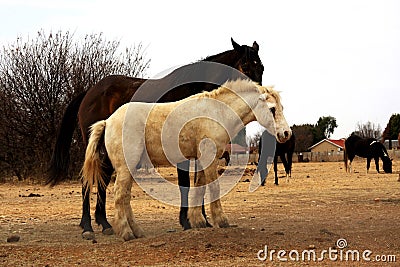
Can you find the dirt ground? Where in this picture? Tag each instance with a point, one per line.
(319, 206)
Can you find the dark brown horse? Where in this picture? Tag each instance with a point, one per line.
(101, 100)
(368, 148)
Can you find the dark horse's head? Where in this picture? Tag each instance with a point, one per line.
(387, 162)
(249, 62)
(243, 58)
(387, 165)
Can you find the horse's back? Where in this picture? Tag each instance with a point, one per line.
(356, 145)
(105, 97)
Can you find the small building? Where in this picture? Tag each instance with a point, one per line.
(328, 145)
(395, 144)
(326, 150)
(236, 149)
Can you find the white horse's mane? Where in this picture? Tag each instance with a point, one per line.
(239, 86)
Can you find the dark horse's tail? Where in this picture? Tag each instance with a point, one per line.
(60, 159)
(345, 156)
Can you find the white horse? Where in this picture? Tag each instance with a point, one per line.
(197, 127)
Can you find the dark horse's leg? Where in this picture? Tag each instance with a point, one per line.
(377, 163)
(289, 163)
(285, 164)
(184, 185)
(100, 213)
(276, 169)
(86, 219)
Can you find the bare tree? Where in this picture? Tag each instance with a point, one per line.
(253, 141)
(38, 78)
(369, 130)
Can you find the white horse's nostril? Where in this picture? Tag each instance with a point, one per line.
(286, 133)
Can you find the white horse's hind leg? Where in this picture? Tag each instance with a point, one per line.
(195, 215)
(125, 225)
(217, 213)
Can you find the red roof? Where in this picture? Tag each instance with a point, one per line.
(339, 142)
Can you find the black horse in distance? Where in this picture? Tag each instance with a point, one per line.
(368, 148)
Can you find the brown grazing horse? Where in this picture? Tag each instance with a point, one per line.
(101, 100)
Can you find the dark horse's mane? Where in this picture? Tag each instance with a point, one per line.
(214, 57)
(246, 50)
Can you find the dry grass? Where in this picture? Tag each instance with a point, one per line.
(318, 206)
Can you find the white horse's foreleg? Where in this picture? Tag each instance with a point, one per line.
(124, 224)
(137, 230)
(195, 215)
(217, 214)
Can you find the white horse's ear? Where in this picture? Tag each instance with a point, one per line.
(263, 97)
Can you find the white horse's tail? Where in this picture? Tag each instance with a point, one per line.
(92, 172)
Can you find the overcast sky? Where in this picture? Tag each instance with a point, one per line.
(328, 58)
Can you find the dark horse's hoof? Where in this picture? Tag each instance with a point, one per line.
(108, 231)
(186, 225)
(88, 235)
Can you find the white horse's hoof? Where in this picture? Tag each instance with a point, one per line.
(201, 223)
(224, 224)
(128, 236)
(139, 233)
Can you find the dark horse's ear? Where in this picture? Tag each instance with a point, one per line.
(255, 46)
(236, 46)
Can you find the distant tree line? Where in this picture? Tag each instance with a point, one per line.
(306, 134)
(392, 130)
(310, 134)
(38, 78)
